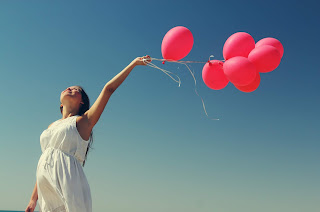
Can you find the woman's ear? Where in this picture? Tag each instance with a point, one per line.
(61, 108)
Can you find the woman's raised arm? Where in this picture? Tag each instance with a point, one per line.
(94, 113)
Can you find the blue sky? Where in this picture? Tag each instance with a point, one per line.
(154, 148)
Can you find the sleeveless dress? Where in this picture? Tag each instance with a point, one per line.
(61, 182)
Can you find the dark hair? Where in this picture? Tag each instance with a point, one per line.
(83, 108)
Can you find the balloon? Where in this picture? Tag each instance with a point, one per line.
(213, 76)
(252, 86)
(177, 43)
(272, 42)
(266, 58)
(239, 70)
(238, 44)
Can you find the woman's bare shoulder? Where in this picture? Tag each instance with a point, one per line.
(83, 121)
(53, 123)
(50, 125)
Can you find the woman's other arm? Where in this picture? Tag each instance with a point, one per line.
(33, 201)
(34, 195)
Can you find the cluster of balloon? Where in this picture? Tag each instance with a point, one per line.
(244, 61)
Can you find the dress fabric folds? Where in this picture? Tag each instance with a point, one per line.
(61, 182)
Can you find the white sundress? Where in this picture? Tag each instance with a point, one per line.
(61, 182)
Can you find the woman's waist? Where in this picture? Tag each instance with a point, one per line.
(55, 149)
(50, 155)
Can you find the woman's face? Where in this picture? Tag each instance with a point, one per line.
(72, 93)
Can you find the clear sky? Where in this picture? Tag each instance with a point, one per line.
(154, 148)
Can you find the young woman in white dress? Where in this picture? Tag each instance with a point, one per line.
(60, 181)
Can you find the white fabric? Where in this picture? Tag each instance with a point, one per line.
(61, 182)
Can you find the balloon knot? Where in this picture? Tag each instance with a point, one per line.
(163, 62)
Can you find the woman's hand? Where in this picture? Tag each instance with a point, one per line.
(31, 206)
(139, 60)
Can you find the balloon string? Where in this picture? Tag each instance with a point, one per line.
(175, 61)
(184, 63)
(164, 71)
(195, 89)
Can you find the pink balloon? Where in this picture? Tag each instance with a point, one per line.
(213, 76)
(238, 44)
(239, 70)
(177, 43)
(272, 42)
(252, 86)
(265, 58)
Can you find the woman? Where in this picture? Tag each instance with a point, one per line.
(61, 183)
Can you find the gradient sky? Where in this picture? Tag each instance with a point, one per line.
(154, 148)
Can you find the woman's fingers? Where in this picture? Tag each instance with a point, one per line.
(29, 209)
(147, 57)
(143, 60)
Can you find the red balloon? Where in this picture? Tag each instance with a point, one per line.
(238, 44)
(213, 76)
(272, 42)
(239, 70)
(177, 43)
(252, 86)
(265, 58)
